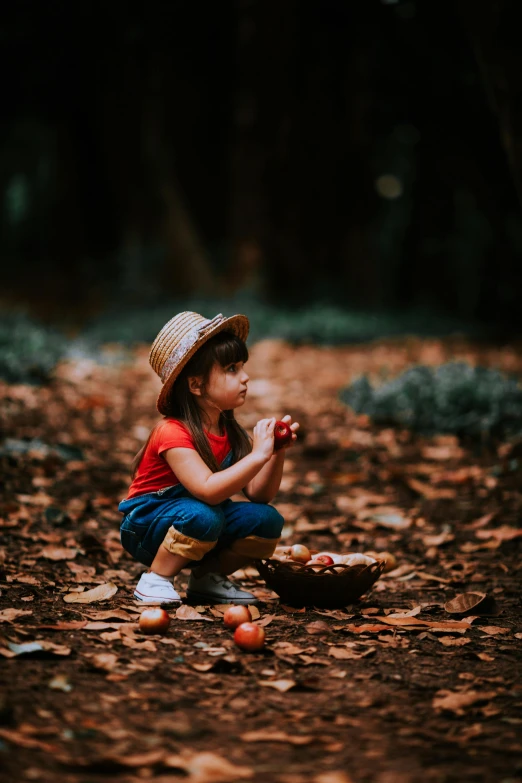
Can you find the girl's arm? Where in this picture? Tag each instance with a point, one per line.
(265, 485)
(214, 488)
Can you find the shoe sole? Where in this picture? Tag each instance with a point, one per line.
(150, 600)
(208, 600)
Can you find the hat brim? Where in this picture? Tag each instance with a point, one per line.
(237, 324)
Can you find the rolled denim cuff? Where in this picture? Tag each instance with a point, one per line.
(178, 544)
(254, 547)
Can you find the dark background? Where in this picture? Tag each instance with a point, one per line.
(363, 153)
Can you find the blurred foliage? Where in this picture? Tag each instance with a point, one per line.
(28, 351)
(322, 324)
(453, 398)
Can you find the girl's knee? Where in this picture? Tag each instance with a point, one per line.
(205, 523)
(270, 522)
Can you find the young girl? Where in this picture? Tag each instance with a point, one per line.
(178, 511)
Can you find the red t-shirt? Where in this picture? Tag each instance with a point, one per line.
(154, 472)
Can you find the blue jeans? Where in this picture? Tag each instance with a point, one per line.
(186, 526)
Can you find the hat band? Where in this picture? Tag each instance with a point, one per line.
(186, 343)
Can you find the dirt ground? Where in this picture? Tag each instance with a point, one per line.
(392, 688)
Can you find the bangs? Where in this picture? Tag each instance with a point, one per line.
(228, 349)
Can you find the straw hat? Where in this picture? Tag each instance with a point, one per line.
(179, 340)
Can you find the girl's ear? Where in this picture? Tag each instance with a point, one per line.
(195, 384)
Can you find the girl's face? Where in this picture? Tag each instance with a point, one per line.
(227, 386)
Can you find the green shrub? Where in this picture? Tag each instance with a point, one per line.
(28, 351)
(454, 398)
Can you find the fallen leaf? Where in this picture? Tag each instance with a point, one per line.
(278, 685)
(43, 646)
(206, 767)
(266, 620)
(317, 627)
(8, 615)
(60, 683)
(457, 701)
(287, 648)
(65, 625)
(22, 741)
(493, 630)
(452, 641)
(345, 654)
(58, 553)
(100, 593)
(333, 776)
(186, 612)
(429, 492)
(464, 602)
(104, 661)
(265, 735)
(503, 533)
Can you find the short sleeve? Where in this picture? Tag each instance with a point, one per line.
(173, 435)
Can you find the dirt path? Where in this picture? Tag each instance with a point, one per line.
(391, 689)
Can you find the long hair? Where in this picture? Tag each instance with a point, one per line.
(224, 348)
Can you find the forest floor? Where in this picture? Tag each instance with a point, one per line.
(391, 689)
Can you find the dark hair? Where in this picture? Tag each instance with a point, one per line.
(224, 348)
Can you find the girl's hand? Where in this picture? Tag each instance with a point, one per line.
(263, 444)
(294, 427)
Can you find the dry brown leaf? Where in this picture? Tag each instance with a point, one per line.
(481, 521)
(442, 453)
(345, 654)
(503, 533)
(42, 645)
(266, 620)
(493, 630)
(104, 661)
(485, 657)
(453, 641)
(206, 767)
(278, 685)
(411, 613)
(367, 628)
(65, 625)
(8, 615)
(109, 614)
(100, 593)
(287, 648)
(317, 627)
(333, 776)
(456, 701)
(266, 735)
(464, 602)
(186, 612)
(429, 492)
(58, 553)
(442, 538)
(23, 741)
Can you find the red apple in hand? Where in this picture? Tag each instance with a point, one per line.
(235, 615)
(154, 620)
(282, 435)
(249, 636)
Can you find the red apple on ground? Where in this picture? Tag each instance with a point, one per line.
(282, 434)
(249, 636)
(300, 553)
(236, 615)
(154, 620)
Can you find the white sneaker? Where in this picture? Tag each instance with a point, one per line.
(216, 589)
(155, 589)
